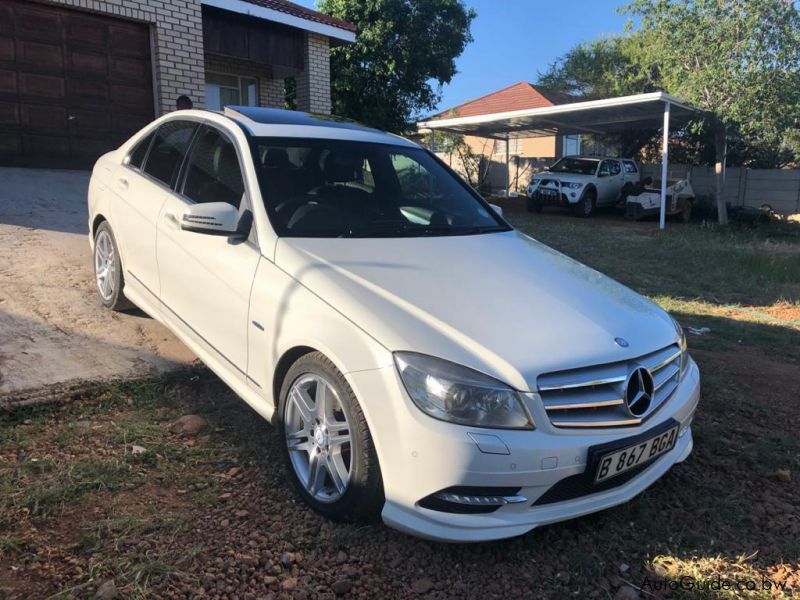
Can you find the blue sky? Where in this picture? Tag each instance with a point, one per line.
(515, 39)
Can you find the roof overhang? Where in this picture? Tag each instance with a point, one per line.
(607, 116)
(276, 16)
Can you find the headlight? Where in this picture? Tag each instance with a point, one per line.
(457, 394)
(683, 345)
(571, 185)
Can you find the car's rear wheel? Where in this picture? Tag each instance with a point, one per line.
(586, 205)
(108, 269)
(686, 211)
(532, 205)
(326, 443)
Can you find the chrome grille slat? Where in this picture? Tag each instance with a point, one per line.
(594, 396)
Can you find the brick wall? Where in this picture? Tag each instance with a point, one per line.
(270, 91)
(314, 83)
(176, 35)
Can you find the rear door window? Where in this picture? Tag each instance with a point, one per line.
(168, 150)
(140, 151)
(614, 167)
(630, 167)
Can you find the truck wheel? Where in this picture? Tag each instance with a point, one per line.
(586, 205)
(532, 205)
(686, 211)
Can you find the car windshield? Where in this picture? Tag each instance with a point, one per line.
(337, 188)
(580, 166)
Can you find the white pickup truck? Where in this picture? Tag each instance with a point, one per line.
(582, 183)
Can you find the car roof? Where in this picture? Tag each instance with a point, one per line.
(274, 122)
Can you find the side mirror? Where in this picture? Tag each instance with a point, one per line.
(497, 209)
(211, 218)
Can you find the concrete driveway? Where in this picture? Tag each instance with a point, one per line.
(53, 329)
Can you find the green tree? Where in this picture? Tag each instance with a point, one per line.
(405, 50)
(737, 59)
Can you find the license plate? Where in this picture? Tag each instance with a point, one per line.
(617, 462)
(548, 192)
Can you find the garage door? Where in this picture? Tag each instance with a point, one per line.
(73, 85)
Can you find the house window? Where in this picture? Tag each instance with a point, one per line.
(572, 145)
(225, 90)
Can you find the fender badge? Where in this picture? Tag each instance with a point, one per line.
(621, 342)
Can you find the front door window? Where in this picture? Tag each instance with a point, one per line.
(230, 90)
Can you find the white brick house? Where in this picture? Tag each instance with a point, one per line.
(79, 76)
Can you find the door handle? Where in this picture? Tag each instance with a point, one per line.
(122, 183)
(171, 220)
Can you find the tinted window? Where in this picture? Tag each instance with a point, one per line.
(336, 188)
(630, 167)
(170, 144)
(604, 168)
(614, 166)
(213, 174)
(140, 151)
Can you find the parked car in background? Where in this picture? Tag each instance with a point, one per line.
(419, 357)
(582, 183)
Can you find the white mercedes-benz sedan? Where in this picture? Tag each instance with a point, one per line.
(419, 358)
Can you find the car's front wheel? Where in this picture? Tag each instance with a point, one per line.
(108, 269)
(532, 205)
(586, 205)
(326, 442)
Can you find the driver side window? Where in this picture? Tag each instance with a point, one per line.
(213, 173)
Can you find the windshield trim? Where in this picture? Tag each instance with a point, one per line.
(253, 140)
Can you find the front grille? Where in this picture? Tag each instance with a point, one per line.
(594, 396)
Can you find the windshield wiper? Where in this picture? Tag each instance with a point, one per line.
(407, 229)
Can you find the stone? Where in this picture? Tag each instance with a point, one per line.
(342, 587)
(107, 591)
(188, 425)
(421, 586)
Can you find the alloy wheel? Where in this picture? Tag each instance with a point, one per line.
(105, 268)
(318, 437)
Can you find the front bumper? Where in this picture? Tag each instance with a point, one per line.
(554, 197)
(420, 456)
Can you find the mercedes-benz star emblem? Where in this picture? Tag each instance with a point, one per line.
(639, 390)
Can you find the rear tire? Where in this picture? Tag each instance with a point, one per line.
(108, 276)
(532, 205)
(586, 205)
(686, 211)
(332, 460)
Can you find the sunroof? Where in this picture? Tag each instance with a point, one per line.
(276, 116)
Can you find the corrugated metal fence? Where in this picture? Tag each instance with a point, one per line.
(779, 188)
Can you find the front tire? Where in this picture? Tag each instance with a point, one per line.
(586, 205)
(532, 205)
(108, 276)
(326, 443)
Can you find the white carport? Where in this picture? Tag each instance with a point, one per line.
(607, 116)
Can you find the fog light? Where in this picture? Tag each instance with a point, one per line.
(480, 500)
(572, 194)
(472, 500)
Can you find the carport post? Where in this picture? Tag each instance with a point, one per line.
(508, 170)
(664, 166)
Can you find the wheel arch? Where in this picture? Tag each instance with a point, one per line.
(99, 218)
(285, 362)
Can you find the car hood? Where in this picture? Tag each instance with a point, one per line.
(501, 303)
(567, 177)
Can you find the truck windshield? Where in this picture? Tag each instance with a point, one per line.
(580, 166)
(339, 188)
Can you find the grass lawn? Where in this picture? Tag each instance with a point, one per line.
(100, 489)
